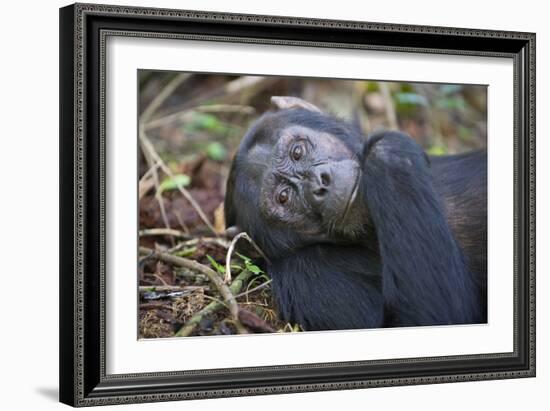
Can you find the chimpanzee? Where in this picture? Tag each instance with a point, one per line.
(360, 232)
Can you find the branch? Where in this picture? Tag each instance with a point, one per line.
(390, 108)
(261, 286)
(195, 266)
(182, 116)
(168, 288)
(242, 88)
(195, 241)
(148, 149)
(145, 183)
(152, 156)
(236, 286)
(162, 231)
(158, 194)
(232, 247)
(163, 95)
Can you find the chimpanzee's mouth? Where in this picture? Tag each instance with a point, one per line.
(351, 198)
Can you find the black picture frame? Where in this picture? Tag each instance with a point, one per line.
(83, 29)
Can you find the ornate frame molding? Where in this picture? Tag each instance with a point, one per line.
(82, 334)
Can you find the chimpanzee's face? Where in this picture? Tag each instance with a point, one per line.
(295, 180)
(310, 183)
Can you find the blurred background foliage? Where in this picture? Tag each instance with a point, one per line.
(209, 113)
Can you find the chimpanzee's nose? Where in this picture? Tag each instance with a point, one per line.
(320, 181)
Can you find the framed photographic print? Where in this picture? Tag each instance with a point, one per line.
(259, 204)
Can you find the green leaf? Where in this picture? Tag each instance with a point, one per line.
(448, 89)
(372, 86)
(437, 150)
(412, 99)
(254, 268)
(172, 183)
(406, 88)
(216, 151)
(219, 268)
(249, 265)
(186, 252)
(456, 103)
(247, 260)
(202, 121)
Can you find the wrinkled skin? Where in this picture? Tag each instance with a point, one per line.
(311, 183)
(360, 232)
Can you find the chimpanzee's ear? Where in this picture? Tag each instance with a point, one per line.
(283, 102)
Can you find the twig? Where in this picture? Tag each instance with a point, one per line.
(167, 288)
(261, 286)
(154, 163)
(163, 95)
(158, 194)
(241, 329)
(147, 147)
(186, 115)
(151, 154)
(211, 274)
(228, 92)
(256, 303)
(390, 109)
(144, 186)
(149, 173)
(236, 286)
(360, 113)
(160, 200)
(181, 222)
(144, 182)
(154, 306)
(226, 108)
(244, 235)
(158, 277)
(162, 231)
(195, 241)
(216, 300)
(255, 322)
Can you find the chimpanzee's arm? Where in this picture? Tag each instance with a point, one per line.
(425, 279)
(328, 287)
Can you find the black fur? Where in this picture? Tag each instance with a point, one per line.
(328, 287)
(421, 259)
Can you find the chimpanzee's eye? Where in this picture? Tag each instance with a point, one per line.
(297, 152)
(283, 196)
